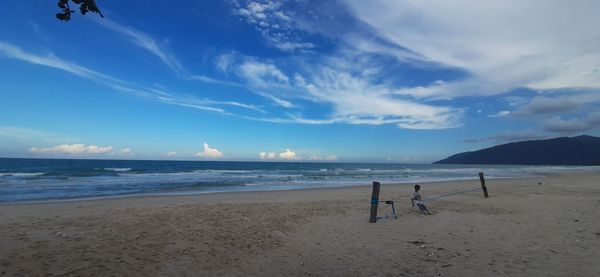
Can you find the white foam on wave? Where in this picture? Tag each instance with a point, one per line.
(117, 169)
(21, 174)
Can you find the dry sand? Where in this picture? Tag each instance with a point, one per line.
(523, 229)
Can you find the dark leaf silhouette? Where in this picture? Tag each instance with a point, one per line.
(85, 6)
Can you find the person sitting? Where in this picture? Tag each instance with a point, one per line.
(416, 199)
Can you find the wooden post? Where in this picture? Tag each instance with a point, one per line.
(482, 179)
(374, 202)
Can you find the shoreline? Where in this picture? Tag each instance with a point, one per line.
(197, 193)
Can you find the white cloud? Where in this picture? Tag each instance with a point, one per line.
(285, 155)
(503, 45)
(73, 149)
(288, 155)
(273, 23)
(209, 152)
(255, 11)
(268, 156)
(500, 114)
(172, 154)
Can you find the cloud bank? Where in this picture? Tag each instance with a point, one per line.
(292, 155)
(502, 44)
(285, 155)
(73, 149)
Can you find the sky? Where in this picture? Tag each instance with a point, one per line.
(330, 81)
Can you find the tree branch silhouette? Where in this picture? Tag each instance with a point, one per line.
(85, 6)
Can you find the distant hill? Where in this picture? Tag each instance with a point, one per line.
(581, 150)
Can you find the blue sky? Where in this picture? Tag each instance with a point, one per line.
(347, 81)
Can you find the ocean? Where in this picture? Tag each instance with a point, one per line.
(27, 180)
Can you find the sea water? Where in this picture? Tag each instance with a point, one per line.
(23, 180)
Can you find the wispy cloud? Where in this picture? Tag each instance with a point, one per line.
(353, 98)
(190, 101)
(278, 101)
(262, 74)
(153, 94)
(50, 60)
(146, 42)
(21, 134)
(151, 45)
(501, 44)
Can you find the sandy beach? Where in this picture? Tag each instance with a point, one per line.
(528, 227)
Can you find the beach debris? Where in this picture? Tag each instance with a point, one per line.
(419, 243)
(61, 234)
(446, 265)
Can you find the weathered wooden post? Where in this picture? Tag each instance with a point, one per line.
(374, 201)
(482, 179)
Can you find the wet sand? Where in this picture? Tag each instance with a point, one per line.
(528, 227)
